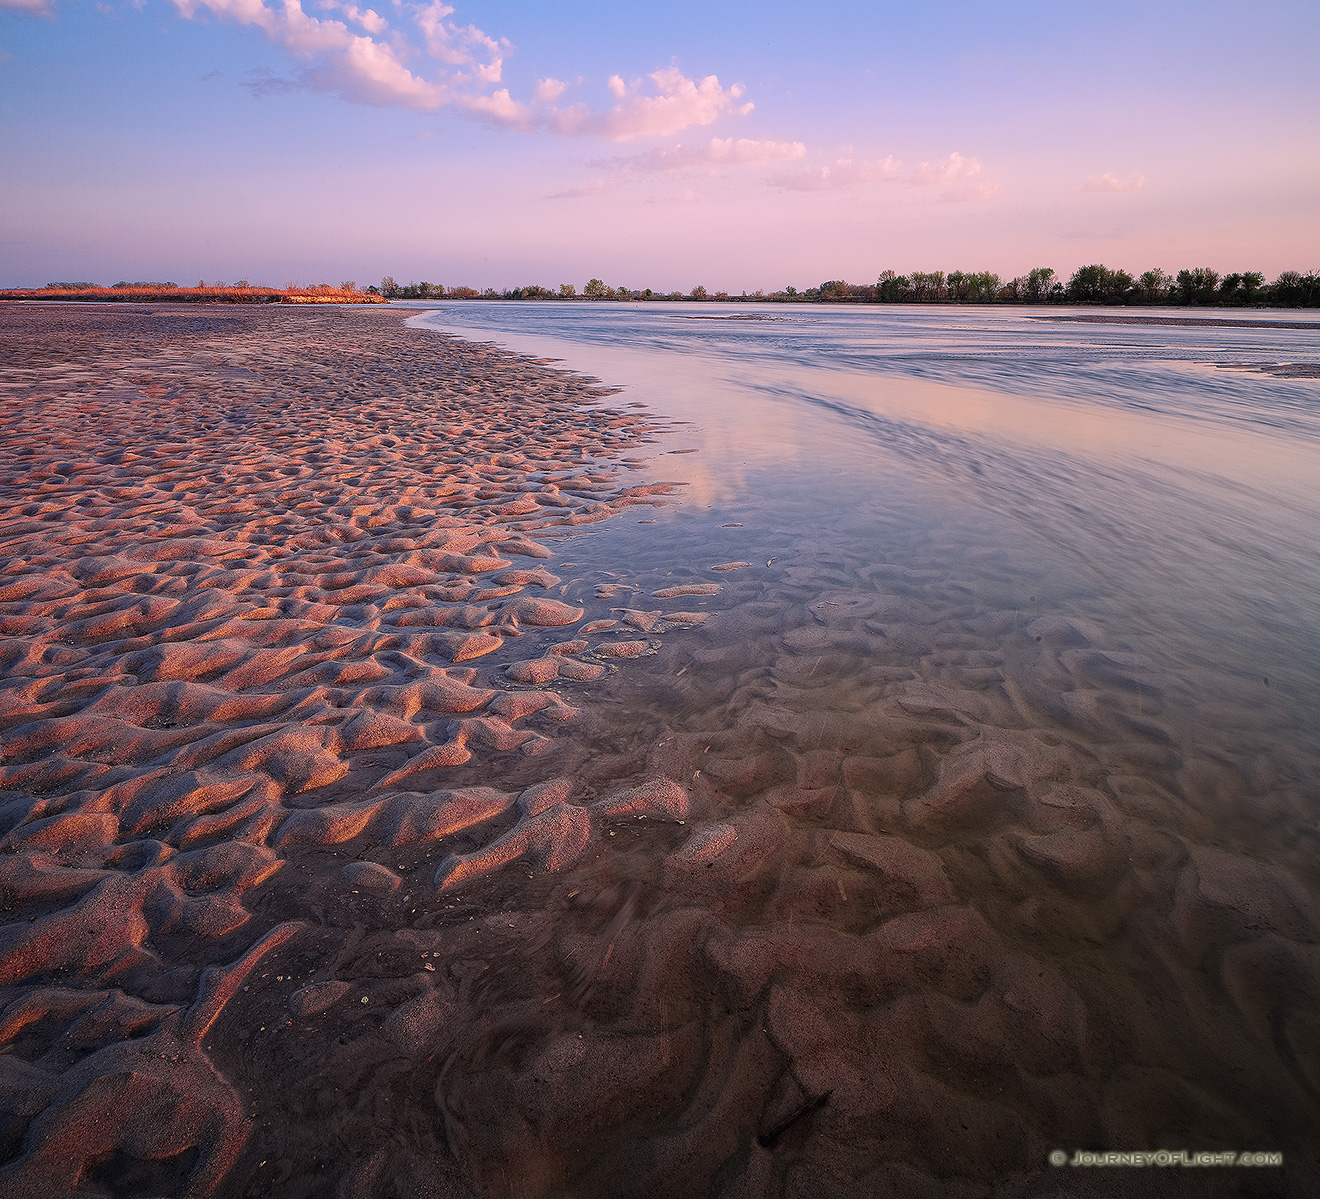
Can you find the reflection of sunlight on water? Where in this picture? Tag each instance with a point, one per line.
(1185, 491)
(1031, 605)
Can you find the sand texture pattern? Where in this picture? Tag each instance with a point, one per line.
(368, 835)
(242, 558)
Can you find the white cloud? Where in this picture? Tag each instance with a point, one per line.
(843, 172)
(549, 90)
(380, 66)
(961, 178)
(371, 73)
(34, 8)
(368, 18)
(1108, 183)
(499, 107)
(478, 55)
(673, 103)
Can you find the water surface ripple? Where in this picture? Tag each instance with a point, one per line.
(1012, 709)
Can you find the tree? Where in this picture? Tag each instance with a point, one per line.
(1296, 290)
(1038, 283)
(698, 292)
(928, 285)
(1197, 286)
(594, 290)
(388, 287)
(1097, 284)
(984, 287)
(567, 291)
(1154, 285)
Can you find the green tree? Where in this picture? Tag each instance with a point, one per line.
(888, 287)
(928, 285)
(1038, 284)
(1154, 285)
(1197, 286)
(1295, 290)
(567, 291)
(1097, 284)
(983, 287)
(594, 290)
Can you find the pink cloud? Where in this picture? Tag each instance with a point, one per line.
(34, 8)
(714, 154)
(673, 103)
(595, 188)
(498, 107)
(549, 90)
(1108, 183)
(460, 46)
(961, 178)
(842, 173)
(377, 67)
(368, 18)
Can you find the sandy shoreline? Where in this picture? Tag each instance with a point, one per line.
(356, 843)
(244, 555)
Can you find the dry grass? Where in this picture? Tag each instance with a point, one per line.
(184, 295)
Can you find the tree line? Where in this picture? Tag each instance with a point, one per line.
(1095, 284)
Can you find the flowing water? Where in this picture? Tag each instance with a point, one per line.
(1037, 601)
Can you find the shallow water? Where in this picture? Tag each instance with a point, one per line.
(1177, 492)
(926, 784)
(1039, 599)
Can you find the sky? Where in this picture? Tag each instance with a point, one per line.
(737, 145)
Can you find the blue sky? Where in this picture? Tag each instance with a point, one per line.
(737, 145)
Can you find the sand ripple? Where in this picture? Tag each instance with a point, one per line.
(241, 559)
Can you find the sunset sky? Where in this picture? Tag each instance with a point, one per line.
(737, 145)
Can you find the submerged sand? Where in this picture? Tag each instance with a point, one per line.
(354, 845)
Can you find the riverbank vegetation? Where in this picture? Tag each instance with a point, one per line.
(241, 292)
(1095, 284)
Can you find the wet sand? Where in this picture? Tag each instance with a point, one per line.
(370, 833)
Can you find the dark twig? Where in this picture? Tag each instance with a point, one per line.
(767, 1139)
